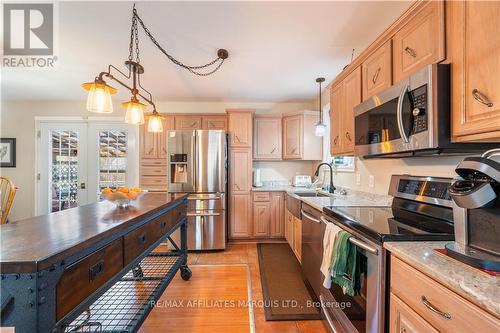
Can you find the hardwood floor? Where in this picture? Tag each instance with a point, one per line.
(217, 277)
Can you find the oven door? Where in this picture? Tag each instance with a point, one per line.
(364, 312)
(397, 120)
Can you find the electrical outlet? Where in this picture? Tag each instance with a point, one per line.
(371, 181)
(358, 179)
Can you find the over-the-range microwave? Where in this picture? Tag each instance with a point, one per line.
(410, 118)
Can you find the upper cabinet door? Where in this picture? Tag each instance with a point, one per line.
(168, 124)
(187, 122)
(214, 122)
(421, 41)
(476, 70)
(267, 138)
(147, 142)
(240, 128)
(336, 110)
(292, 137)
(352, 97)
(377, 71)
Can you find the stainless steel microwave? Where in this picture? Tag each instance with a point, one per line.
(410, 118)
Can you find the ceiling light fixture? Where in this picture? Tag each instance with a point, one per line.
(99, 92)
(320, 127)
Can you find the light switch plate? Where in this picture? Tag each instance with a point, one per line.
(371, 181)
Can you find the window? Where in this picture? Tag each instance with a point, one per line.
(344, 163)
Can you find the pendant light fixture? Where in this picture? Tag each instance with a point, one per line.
(99, 92)
(320, 127)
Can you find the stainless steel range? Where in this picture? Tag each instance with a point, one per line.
(421, 210)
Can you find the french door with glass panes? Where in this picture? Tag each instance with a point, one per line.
(77, 159)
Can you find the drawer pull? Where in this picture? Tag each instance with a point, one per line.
(163, 224)
(142, 238)
(411, 51)
(403, 330)
(96, 270)
(479, 96)
(434, 309)
(336, 140)
(348, 136)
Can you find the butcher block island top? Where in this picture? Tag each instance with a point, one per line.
(36, 243)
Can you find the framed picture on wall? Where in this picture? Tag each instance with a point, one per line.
(8, 152)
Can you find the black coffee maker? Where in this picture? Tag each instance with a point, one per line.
(476, 212)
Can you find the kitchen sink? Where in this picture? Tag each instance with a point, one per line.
(311, 194)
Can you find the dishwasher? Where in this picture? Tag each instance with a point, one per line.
(312, 246)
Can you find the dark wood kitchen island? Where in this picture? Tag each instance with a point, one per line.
(92, 268)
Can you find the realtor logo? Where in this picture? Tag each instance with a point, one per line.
(28, 29)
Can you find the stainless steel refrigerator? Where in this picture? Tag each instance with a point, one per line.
(197, 164)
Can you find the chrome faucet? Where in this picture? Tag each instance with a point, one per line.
(331, 188)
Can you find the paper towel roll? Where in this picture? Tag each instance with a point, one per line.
(256, 178)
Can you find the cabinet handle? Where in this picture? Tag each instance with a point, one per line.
(164, 150)
(272, 151)
(375, 76)
(348, 136)
(411, 51)
(434, 309)
(96, 270)
(141, 239)
(194, 124)
(402, 330)
(150, 151)
(479, 96)
(294, 150)
(237, 139)
(237, 187)
(336, 140)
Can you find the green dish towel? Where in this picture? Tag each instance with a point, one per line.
(345, 268)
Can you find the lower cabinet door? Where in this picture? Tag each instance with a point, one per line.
(240, 216)
(404, 320)
(277, 215)
(82, 278)
(261, 219)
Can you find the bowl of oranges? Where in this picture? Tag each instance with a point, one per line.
(122, 196)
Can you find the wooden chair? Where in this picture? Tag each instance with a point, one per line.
(7, 194)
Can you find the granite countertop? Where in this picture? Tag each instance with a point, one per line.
(353, 198)
(472, 284)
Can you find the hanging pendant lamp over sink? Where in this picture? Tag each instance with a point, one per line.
(320, 127)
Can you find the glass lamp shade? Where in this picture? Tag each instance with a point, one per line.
(99, 97)
(155, 123)
(319, 129)
(135, 112)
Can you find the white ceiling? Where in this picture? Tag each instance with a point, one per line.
(277, 49)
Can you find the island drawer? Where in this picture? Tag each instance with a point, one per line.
(438, 305)
(166, 222)
(82, 278)
(138, 240)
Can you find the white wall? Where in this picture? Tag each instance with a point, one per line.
(283, 170)
(17, 120)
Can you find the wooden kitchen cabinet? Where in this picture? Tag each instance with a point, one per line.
(298, 134)
(187, 122)
(277, 215)
(352, 97)
(344, 97)
(240, 216)
(267, 138)
(261, 219)
(473, 48)
(153, 156)
(336, 107)
(421, 41)
(377, 71)
(241, 170)
(214, 122)
(240, 127)
(405, 320)
(297, 238)
(423, 294)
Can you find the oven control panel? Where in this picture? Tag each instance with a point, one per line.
(431, 189)
(419, 113)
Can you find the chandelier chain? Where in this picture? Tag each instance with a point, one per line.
(193, 69)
